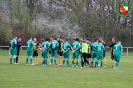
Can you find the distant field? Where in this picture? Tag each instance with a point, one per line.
(38, 76)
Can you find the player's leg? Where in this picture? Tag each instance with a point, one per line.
(112, 57)
(45, 58)
(64, 58)
(82, 65)
(67, 58)
(89, 57)
(14, 56)
(96, 56)
(59, 58)
(85, 59)
(101, 59)
(92, 59)
(73, 58)
(55, 57)
(34, 56)
(17, 56)
(31, 57)
(104, 58)
(11, 56)
(27, 57)
(76, 56)
(117, 59)
(52, 55)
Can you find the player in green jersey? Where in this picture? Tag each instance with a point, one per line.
(66, 49)
(54, 51)
(84, 53)
(13, 50)
(75, 51)
(100, 49)
(29, 49)
(117, 53)
(93, 51)
(45, 46)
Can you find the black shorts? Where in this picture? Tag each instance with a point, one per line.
(35, 53)
(88, 55)
(18, 52)
(60, 53)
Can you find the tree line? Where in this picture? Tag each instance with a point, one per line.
(69, 18)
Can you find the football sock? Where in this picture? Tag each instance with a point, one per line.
(14, 60)
(60, 60)
(104, 61)
(54, 61)
(76, 63)
(92, 63)
(96, 63)
(26, 60)
(85, 64)
(67, 61)
(51, 60)
(72, 62)
(101, 62)
(46, 61)
(36, 60)
(116, 64)
(30, 60)
(10, 60)
(63, 61)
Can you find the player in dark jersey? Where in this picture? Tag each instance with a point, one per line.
(60, 53)
(35, 53)
(111, 49)
(18, 49)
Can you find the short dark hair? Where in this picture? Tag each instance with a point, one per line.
(47, 39)
(96, 40)
(77, 39)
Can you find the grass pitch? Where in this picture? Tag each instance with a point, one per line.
(38, 76)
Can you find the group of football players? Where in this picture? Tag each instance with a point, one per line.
(58, 51)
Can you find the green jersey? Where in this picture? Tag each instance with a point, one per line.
(46, 45)
(84, 48)
(118, 49)
(100, 48)
(54, 45)
(94, 47)
(75, 45)
(13, 44)
(29, 45)
(66, 46)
